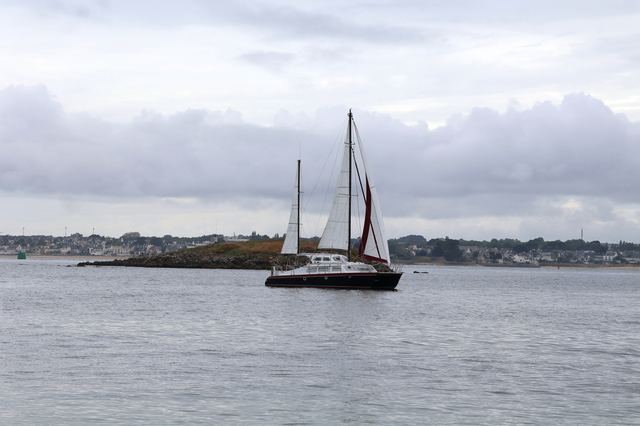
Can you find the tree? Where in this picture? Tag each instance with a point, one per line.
(256, 237)
(155, 241)
(554, 245)
(574, 245)
(417, 240)
(129, 236)
(405, 254)
(521, 248)
(450, 249)
(438, 249)
(597, 247)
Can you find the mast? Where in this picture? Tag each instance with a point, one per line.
(298, 221)
(349, 215)
(291, 243)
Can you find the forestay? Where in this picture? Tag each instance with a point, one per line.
(336, 233)
(373, 245)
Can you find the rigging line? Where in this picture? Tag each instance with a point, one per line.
(326, 194)
(335, 144)
(375, 238)
(364, 194)
(329, 186)
(357, 194)
(303, 211)
(364, 197)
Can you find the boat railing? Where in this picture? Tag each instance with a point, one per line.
(395, 268)
(276, 270)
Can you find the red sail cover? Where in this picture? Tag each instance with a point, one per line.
(372, 246)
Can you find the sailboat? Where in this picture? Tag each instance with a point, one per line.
(334, 270)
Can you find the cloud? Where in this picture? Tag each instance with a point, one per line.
(74, 8)
(579, 147)
(570, 163)
(299, 23)
(273, 61)
(191, 153)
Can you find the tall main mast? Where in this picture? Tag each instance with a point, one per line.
(298, 221)
(349, 216)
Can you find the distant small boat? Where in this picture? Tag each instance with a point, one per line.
(331, 270)
(22, 255)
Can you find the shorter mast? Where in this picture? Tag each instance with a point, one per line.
(291, 243)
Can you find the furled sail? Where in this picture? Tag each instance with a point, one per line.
(290, 245)
(373, 245)
(335, 235)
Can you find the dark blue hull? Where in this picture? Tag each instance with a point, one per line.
(372, 281)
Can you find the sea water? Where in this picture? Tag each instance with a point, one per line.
(459, 345)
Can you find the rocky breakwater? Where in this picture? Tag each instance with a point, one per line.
(250, 255)
(194, 260)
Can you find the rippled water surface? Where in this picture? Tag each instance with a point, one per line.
(459, 345)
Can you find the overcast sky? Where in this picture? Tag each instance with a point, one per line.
(481, 119)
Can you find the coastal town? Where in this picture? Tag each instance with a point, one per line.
(514, 252)
(504, 256)
(409, 249)
(129, 244)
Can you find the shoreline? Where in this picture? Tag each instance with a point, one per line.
(525, 266)
(62, 256)
(88, 258)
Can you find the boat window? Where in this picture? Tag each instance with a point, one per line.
(336, 269)
(326, 259)
(323, 269)
(336, 258)
(313, 269)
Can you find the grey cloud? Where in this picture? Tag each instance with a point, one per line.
(311, 19)
(280, 20)
(524, 163)
(509, 12)
(627, 48)
(195, 153)
(488, 163)
(291, 21)
(577, 148)
(76, 8)
(273, 61)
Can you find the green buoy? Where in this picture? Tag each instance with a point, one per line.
(22, 255)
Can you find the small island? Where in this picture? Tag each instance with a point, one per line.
(260, 254)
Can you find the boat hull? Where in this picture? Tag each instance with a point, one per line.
(372, 281)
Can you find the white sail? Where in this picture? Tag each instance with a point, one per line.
(373, 244)
(335, 235)
(290, 245)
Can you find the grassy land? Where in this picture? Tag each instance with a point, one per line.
(269, 247)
